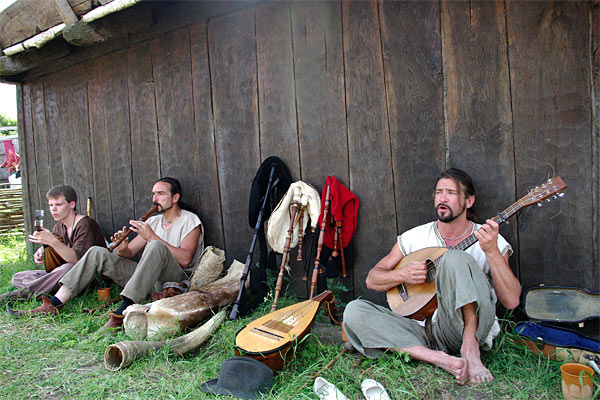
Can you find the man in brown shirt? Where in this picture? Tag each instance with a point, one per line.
(72, 235)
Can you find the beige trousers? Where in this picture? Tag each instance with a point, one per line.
(372, 329)
(156, 266)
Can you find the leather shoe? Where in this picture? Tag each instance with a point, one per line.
(47, 308)
(114, 323)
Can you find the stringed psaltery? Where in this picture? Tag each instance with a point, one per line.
(418, 301)
(271, 338)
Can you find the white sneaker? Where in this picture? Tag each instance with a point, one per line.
(373, 390)
(327, 391)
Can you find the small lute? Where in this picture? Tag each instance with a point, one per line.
(418, 301)
(270, 338)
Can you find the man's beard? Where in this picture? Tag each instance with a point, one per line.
(450, 217)
(161, 209)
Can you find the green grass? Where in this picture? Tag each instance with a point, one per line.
(60, 358)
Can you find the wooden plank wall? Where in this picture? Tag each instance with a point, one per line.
(382, 95)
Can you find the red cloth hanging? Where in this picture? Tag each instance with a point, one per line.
(343, 207)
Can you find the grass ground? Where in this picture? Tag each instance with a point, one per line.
(61, 358)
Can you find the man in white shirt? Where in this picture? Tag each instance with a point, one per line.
(468, 283)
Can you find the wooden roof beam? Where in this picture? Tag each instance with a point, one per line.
(66, 12)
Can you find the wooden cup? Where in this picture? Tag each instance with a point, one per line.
(104, 294)
(576, 381)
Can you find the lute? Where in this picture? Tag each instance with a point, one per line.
(418, 301)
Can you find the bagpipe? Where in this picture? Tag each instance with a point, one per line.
(270, 338)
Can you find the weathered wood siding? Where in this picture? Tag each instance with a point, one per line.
(382, 95)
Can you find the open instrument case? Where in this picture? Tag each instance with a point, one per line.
(558, 318)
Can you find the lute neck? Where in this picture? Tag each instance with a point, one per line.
(499, 219)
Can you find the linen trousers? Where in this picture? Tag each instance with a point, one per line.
(372, 329)
(156, 266)
(40, 281)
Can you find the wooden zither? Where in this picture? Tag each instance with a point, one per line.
(271, 338)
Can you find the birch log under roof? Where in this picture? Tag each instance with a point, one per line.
(381, 94)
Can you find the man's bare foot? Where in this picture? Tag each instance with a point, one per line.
(458, 367)
(477, 372)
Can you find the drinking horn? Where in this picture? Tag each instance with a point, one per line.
(118, 356)
(167, 316)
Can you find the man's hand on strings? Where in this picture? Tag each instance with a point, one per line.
(414, 273)
(488, 236)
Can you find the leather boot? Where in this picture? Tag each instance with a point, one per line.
(45, 309)
(114, 323)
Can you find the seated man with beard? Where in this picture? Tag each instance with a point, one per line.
(468, 283)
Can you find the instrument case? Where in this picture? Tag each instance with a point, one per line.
(552, 308)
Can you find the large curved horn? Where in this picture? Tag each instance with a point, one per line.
(120, 355)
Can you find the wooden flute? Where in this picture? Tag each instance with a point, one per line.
(128, 231)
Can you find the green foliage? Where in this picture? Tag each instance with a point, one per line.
(5, 120)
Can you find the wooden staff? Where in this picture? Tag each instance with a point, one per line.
(338, 232)
(128, 231)
(286, 250)
(313, 282)
(334, 253)
(300, 233)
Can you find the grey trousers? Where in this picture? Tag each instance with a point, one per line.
(156, 266)
(372, 329)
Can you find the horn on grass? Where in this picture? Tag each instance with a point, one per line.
(118, 356)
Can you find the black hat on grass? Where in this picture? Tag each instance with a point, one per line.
(242, 377)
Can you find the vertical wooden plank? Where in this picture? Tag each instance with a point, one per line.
(206, 159)
(277, 107)
(57, 176)
(74, 129)
(115, 101)
(413, 73)
(175, 112)
(233, 73)
(319, 80)
(145, 166)
(99, 148)
(595, 62)
(368, 139)
(28, 152)
(41, 145)
(24, 163)
(550, 76)
(478, 109)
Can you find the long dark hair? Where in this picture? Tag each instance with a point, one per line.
(175, 188)
(465, 185)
